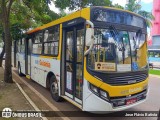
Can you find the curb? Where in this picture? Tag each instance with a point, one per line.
(151, 75)
(54, 108)
(27, 97)
(29, 100)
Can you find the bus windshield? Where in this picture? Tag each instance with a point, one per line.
(116, 50)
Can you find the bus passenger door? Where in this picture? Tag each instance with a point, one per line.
(14, 52)
(28, 57)
(74, 43)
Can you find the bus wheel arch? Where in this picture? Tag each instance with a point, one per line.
(49, 75)
(52, 84)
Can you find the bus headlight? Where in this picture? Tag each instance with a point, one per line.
(99, 92)
(94, 88)
(103, 94)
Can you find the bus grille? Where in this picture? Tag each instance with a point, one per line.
(127, 79)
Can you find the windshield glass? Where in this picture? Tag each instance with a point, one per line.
(119, 17)
(116, 51)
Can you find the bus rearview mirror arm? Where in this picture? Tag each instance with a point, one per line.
(89, 37)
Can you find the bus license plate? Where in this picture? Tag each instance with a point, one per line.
(131, 101)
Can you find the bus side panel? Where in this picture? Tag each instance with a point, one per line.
(36, 72)
(41, 66)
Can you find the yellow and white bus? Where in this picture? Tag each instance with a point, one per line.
(95, 58)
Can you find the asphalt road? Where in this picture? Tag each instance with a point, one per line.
(151, 104)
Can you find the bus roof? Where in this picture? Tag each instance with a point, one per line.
(84, 13)
(113, 8)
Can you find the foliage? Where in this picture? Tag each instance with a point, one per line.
(136, 7)
(31, 13)
(77, 4)
(133, 6)
(118, 6)
(148, 16)
(17, 16)
(16, 31)
(62, 13)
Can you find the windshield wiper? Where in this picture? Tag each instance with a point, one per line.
(115, 35)
(123, 50)
(137, 42)
(119, 44)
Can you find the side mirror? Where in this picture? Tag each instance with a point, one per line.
(89, 37)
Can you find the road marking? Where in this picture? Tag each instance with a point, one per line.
(43, 98)
(29, 100)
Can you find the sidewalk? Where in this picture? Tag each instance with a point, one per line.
(11, 97)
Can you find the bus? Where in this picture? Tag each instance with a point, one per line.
(95, 58)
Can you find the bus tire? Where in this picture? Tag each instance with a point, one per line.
(54, 89)
(19, 70)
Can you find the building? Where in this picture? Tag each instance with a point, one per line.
(156, 14)
(155, 30)
(154, 43)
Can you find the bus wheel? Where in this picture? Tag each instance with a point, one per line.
(54, 89)
(19, 70)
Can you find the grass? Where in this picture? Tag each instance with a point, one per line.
(154, 72)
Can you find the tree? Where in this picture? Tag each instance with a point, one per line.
(78, 4)
(5, 14)
(135, 6)
(118, 6)
(31, 14)
(148, 16)
(3, 45)
(24, 13)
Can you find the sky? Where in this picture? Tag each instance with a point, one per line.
(53, 8)
(146, 4)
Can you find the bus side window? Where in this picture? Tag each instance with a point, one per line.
(51, 41)
(18, 46)
(29, 46)
(23, 45)
(37, 43)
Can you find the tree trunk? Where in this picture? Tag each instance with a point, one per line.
(8, 42)
(1, 55)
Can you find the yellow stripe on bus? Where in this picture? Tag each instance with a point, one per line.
(60, 43)
(115, 90)
(50, 57)
(85, 13)
(124, 90)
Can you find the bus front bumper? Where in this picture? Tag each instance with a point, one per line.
(95, 104)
